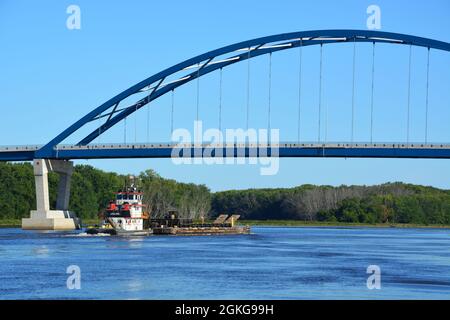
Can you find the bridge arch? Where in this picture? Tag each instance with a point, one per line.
(177, 75)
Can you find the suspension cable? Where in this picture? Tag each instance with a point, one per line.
(427, 91)
(299, 89)
(99, 130)
(270, 93)
(198, 91)
(125, 130)
(135, 124)
(409, 95)
(171, 114)
(326, 113)
(220, 100)
(248, 88)
(371, 99)
(148, 122)
(320, 90)
(353, 90)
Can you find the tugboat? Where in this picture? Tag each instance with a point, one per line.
(125, 215)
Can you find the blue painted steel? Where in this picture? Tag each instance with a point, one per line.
(293, 38)
(284, 152)
(17, 156)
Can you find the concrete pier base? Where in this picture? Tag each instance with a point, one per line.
(43, 218)
(51, 220)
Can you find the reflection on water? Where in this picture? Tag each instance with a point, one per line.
(270, 263)
(40, 251)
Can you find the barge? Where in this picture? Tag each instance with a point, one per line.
(127, 216)
(223, 224)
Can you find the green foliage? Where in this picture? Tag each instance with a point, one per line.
(250, 204)
(386, 203)
(91, 189)
(161, 195)
(16, 190)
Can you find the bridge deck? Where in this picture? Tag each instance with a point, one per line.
(165, 150)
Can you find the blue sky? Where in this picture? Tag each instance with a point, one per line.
(51, 76)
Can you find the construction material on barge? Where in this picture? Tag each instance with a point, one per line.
(224, 224)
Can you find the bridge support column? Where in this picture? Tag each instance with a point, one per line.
(43, 218)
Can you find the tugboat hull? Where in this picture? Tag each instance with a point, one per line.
(134, 233)
(114, 232)
(94, 231)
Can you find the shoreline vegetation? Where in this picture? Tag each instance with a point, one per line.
(16, 223)
(386, 205)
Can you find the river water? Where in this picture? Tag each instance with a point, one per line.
(270, 263)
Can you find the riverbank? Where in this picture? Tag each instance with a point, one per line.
(301, 223)
(409, 203)
(16, 223)
(10, 223)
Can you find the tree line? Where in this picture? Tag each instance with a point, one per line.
(386, 203)
(91, 190)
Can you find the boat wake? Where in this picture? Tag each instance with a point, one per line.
(85, 234)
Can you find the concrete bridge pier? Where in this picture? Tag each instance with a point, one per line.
(43, 218)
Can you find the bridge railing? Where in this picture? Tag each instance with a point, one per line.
(13, 148)
(287, 144)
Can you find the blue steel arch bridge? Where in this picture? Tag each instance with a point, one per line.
(118, 109)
